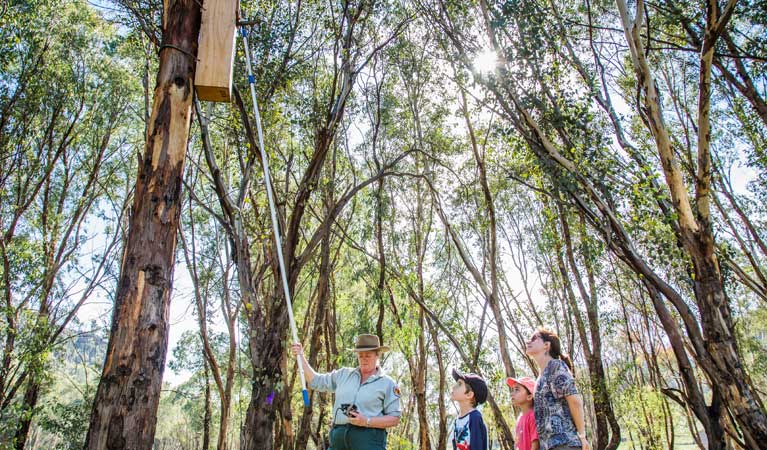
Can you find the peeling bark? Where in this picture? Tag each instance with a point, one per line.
(125, 406)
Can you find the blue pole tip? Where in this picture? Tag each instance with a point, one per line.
(306, 397)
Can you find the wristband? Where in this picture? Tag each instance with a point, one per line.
(367, 424)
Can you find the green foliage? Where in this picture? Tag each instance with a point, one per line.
(72, 67)
(752, 330)
(640, 409)
(65, 87)
(66, 421)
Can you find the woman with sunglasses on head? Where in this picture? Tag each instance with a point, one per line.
(559, 415)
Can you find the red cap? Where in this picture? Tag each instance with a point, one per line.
(527, 382)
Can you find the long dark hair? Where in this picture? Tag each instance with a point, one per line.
(555, 350)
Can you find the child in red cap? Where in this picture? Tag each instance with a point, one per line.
(522, 394)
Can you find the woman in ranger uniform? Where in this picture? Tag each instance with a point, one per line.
(366, 399)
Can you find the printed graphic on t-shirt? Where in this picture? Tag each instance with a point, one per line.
(469, 432)
(462, 433)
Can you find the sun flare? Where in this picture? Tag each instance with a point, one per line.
(485, 62)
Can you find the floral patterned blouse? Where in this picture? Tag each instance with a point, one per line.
(552, 414)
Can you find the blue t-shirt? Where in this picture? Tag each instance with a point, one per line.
(469, 432)
(552, 414)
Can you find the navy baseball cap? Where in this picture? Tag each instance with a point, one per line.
(475, 382)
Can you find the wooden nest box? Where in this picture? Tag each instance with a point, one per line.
(215, 52)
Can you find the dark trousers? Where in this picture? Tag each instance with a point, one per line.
(349, 437)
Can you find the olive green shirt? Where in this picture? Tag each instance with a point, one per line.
(377, 396)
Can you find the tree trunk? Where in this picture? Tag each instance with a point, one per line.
(718, 332)
(380, 291)
(607, 429)
(268, 328)
(27, 412)
(266, 343)
(206, 419)
(492, 231)
(424, 440)
(422, 228)
(505, 434)
(442, 385)
(125, 406)
(323, 294)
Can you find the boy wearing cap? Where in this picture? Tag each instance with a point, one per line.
(522, 395)
(469, 431)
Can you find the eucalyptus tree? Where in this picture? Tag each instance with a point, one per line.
(735, 57)
(208, 258)
(418, 203)
(64, 131)
(129, 391)
(302, 117)
(589, 330)
(694, 223)
(413, 74)
(572, 145)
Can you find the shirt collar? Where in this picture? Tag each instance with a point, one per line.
(376, 375)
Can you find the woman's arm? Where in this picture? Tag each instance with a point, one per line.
(575, 402)
(374, 422)
(309, 373)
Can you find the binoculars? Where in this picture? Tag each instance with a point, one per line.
(348, 408)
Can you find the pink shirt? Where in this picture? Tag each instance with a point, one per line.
(525, 431)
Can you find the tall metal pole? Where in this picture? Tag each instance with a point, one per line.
(273, 209)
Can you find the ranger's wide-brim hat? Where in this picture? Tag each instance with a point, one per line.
(368, 343)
